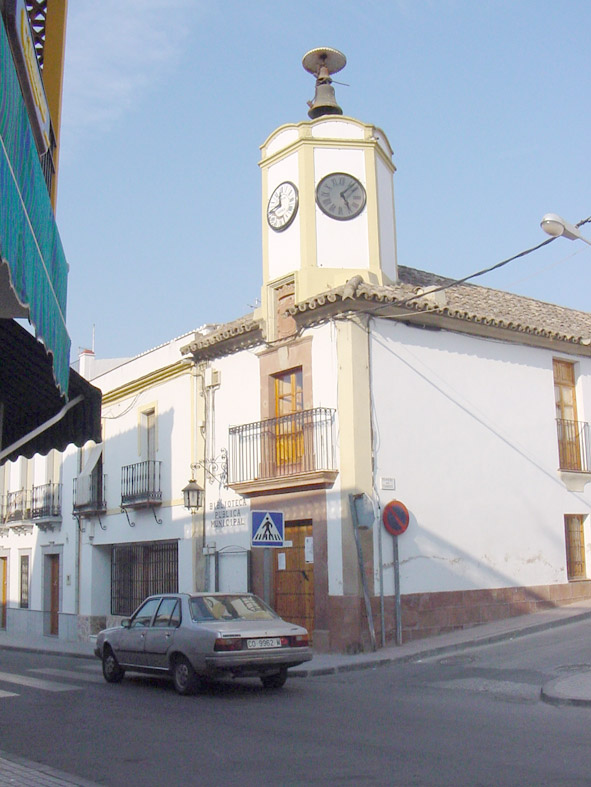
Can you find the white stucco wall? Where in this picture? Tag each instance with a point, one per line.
(325, 377)
(235, 402)
(341, 244)
(172, 399)
(465, 427)
(284, 247)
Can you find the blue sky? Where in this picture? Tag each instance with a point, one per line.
(486, 105)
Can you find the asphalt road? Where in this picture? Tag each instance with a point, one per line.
(471, 718)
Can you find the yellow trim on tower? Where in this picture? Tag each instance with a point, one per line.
(373, 218)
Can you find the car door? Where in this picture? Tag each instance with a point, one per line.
(132, 638)
(160, 636)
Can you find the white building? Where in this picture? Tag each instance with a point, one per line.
(356, 380)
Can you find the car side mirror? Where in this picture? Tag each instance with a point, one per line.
(126, 623)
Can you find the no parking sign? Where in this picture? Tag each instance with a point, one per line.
(395, 517)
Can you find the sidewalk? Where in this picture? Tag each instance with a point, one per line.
(574, 689)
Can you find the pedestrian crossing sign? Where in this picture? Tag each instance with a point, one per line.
(267, 529)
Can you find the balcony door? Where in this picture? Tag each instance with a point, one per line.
(3, 590)
(569, 438)
(148, 471)
(289, 433)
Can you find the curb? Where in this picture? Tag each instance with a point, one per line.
(373, 661)
(574, 689)
(46, 651)
(490, 639)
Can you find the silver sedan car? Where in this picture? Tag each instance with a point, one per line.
(201, 636)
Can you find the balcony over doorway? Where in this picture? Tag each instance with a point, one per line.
(294, 451)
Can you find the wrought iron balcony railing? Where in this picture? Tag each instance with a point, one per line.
(47, 501)
(89, 494)
(17, 506)
(574, 445)
(140, 484)
(295, 444)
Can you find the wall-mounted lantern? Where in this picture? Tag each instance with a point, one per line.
(193, 495)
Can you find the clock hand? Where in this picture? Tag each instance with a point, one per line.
(349, 187)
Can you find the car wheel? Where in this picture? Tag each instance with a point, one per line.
(275, 681)
(184, 677)
(112, 672)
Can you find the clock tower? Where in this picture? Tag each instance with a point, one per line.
(327, 200)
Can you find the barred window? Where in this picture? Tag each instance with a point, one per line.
(24, 599)
(140, 570)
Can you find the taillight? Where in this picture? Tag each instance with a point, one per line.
(299, 641)
(228, 643)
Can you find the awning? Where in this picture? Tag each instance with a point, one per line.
(30, 398)
(30, 246)
(84, 481)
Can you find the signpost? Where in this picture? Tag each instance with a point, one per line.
(396, 518)
(267, 530)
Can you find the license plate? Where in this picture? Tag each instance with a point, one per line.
(263, 642)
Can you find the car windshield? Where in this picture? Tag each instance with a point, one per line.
(230, 607)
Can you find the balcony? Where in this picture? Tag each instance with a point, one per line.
(47, 506)
(17, 512)
(140, 484)
(89, 495)
(574, 453)
(17, 506)
(574, 445)
(293, 451)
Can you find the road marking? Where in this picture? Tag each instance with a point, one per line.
(7, 694)
(70, 674)
(36, 683)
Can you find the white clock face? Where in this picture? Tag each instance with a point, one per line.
(340, 196)
(283, 206)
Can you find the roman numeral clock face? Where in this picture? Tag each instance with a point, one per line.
(340, 196)
(282, 206)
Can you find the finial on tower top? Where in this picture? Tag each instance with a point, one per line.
(322, 62)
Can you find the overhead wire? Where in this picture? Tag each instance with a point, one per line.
(456, 282)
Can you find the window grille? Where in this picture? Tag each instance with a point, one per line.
(24, 599)
(140, 570)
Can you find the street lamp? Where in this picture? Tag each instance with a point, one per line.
(556, 226)
(193, 495)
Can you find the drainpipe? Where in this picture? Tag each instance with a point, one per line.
(198, 435)
(376, 496)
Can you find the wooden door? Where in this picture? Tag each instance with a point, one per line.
(54, 593)
(3, 590)
(294, 576)
(575, 546)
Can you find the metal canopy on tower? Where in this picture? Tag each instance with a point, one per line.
(322, 62)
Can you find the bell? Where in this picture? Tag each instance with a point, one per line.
(323, 62)
(325, 102)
